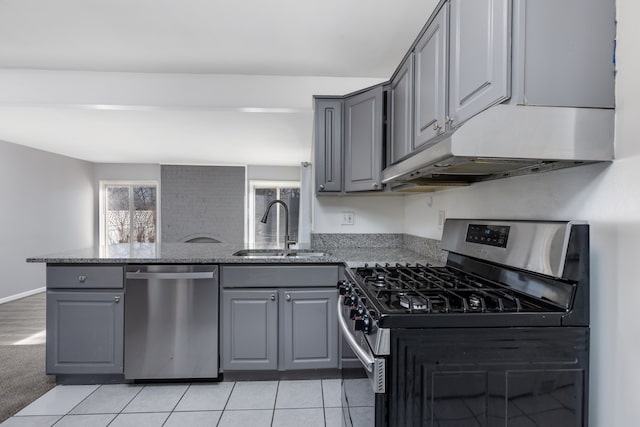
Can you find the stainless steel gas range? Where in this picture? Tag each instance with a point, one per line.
(497, 337)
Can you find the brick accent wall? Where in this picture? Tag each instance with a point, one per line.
(202, 201)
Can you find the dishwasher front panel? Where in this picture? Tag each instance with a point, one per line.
(171, 322)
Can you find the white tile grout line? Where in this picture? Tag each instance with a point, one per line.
(224, 408)
(273, 412)
(324, 412)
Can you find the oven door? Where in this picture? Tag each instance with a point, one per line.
(364, 398)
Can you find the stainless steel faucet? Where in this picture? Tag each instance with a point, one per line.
(287, 241)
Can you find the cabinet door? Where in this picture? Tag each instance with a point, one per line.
(85, 331)
(328, 145)
(249, 329)
(480, 56)
(309, 329)
(363, 140)
(401, 99)
(431, 80)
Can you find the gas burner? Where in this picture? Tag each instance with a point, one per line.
(380, 281)
(475, 302)
(412, 302)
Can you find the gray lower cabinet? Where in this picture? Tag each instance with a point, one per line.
(363, 139)
(309, 329)
(249, 329)
(85, 332)
(284, 329)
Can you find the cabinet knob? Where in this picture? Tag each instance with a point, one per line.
(287, 297)
(82, 279)
(273, 297)
(321, 187)
(375, 185)
(436, 126)
(116, 299)
(448, 120)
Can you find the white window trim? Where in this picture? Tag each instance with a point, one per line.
(103, 202)
(253, 185)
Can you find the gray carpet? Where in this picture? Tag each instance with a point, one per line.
(22, 377)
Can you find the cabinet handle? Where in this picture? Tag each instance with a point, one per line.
(436, 126)
(116, 299)
(448, 120)
(287, 297)
(273, 297)
(82, 279)
(321, 187)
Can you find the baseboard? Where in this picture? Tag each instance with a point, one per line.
(22, 295)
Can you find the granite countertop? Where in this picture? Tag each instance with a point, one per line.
(222, 253)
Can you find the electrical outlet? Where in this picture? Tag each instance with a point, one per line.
(347, 218)
(441, 217)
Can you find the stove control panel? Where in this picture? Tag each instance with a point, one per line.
(356, 305)
(492, 235)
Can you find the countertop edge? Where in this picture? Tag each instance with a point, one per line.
(349, 257)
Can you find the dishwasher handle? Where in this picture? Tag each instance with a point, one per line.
(170, 276)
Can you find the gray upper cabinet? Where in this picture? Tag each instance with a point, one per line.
(85, 332)
(431, 80)
(479, 57)
(564, 53)
(310, 329)
(328, 145)
(401, 108)
(363, 140)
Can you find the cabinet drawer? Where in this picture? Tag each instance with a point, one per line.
(276, 276)
(85, 277)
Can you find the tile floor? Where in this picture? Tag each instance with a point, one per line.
(307, 403)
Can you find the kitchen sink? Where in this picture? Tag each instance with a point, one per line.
(266, 253)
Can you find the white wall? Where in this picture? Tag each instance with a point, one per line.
(608, 197)
(273, 173)
(46, 206)
(372, 214)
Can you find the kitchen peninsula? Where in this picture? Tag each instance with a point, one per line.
(274, 311)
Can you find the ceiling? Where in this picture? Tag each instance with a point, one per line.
(190, 81)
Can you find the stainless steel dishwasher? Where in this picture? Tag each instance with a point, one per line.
(171, 322)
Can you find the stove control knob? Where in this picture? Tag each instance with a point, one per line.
(347, 300)
(363, 324)
(343, 287)
(353, 312)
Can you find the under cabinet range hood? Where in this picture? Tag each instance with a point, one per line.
(507, 140)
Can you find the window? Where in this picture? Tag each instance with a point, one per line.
(128, 216)
(272, 233)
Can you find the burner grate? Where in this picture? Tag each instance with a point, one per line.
(428, 289)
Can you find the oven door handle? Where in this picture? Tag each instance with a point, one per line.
(365, 357)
